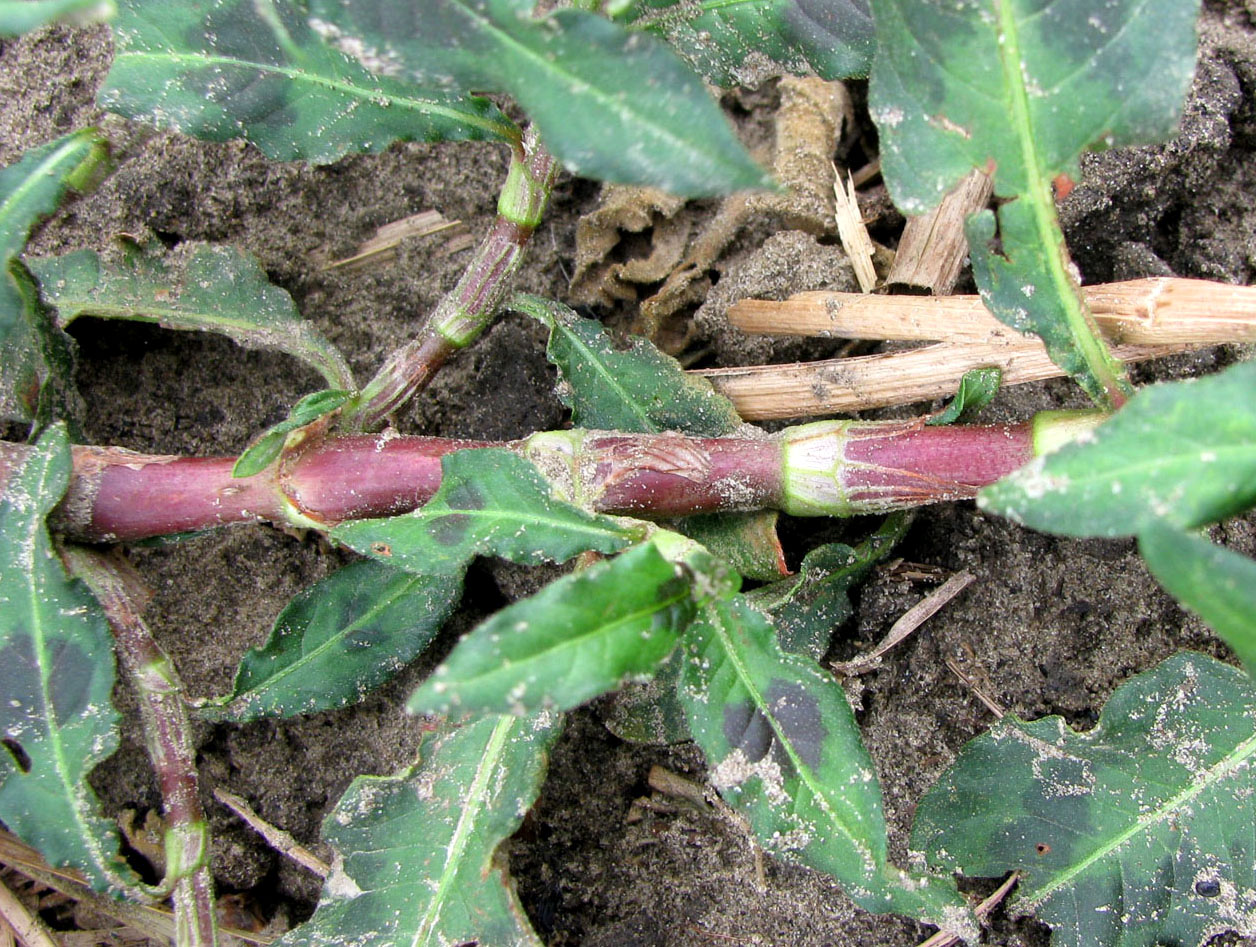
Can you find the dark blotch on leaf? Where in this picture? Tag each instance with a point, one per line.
(798, 715)
(451, 529)
(464, 496)
(72, 670)
(747, 730)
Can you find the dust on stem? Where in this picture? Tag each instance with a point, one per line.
(468, 309)
(168, 738)
(830, 468)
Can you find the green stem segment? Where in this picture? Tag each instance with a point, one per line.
(168, 736)
(467, 310)
(830, 468)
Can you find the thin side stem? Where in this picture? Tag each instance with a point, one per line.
(167, 733)
(468, 309)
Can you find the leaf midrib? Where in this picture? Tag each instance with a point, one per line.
(639, 119)
(471, 810)
(1084, 337)
(607, 629)
(429, 106)
(379, 605)
(1174, 804)
(69, 783)
(493, 517)
(715, 617)
(646, 423)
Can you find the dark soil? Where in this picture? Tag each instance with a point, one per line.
(1050, 626)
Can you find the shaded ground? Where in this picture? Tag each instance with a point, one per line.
(1049, 626)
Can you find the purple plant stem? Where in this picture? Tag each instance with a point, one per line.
(825, 469)
(167, 735)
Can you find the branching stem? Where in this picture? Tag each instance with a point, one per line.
(167, 734)
(468, 309)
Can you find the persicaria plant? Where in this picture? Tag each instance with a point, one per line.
(659, 497)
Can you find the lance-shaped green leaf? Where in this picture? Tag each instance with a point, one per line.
(784, 749)
(1021, 89)
(639, 388)
(1216, 583)
(491, 502)
(976, 390)
(214, 289)
(267, 446)
(32, 189)
(1183, 452)
(221, 69)
(56, 675)
(577, 638)
(22, 16)
(1138, 832)
(741, 43)
(36, 359)
(625, 388)
(808, 607)
(340, 639)
(414, 863)
(609, 103)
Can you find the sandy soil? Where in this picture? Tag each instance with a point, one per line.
(1049, 626)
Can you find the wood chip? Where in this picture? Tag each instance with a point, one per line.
(853, 232)
(1156, 311)
(834, 386)
(932, 249)
(907, 623)
(30, 930)
(381, 249)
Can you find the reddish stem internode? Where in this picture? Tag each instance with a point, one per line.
(829, 468)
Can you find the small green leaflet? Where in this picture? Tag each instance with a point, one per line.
(32, 189)
(580, 636)
(22, 16)
(221, 69)
(1021, 89)
(1184, 452)
(414, 864)
(649, 712)
(743, 42)
(806, 608)
(491, 502)
(213, 289)
(784, 749)
(268, 445)
(1138, 832)
(340, 639)
(56, 675)
(609, 103)
(1214, 582)
(976, 390)
(640, 389)
(634, 388)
